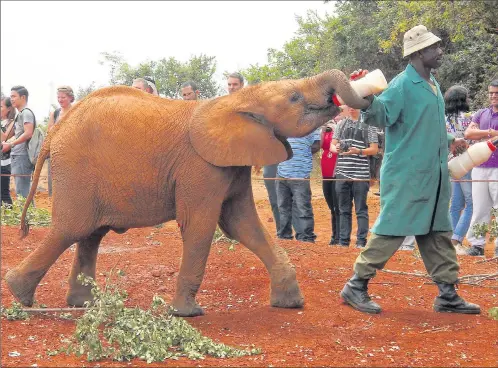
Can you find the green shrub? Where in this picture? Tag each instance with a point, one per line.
(110, 330)
(11, 215)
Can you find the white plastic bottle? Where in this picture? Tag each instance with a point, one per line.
(373, 82)
(477, 154)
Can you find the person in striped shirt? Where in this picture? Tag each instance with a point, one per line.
(354, 141)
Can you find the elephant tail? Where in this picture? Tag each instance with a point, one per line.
(42, 156)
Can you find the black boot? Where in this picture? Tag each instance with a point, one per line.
(355, 293)
(449, 301)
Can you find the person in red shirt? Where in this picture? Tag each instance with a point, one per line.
(328, 162)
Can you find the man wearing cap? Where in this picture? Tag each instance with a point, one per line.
(414, 178)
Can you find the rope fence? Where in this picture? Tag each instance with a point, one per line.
(313, 179)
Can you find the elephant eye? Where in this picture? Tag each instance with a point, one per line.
(296, 97)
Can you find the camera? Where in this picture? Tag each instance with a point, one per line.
(344, 146)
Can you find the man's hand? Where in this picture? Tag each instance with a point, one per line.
(352, 151)
(5, 147)
(458, 146)
(357, 74)
(473, 126)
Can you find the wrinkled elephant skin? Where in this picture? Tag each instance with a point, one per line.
(122, 158)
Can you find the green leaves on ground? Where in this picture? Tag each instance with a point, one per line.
(108, 329)
(15, 312)
(481, 229)
(38, 217)
(220, 237)
(493, 313)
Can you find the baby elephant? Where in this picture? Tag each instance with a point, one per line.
(122, 158)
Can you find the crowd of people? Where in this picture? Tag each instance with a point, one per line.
(407, 136)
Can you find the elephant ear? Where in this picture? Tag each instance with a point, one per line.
(224, 135)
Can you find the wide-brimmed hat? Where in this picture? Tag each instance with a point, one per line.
(418, 38)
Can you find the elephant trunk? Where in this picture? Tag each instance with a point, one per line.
(337, 80)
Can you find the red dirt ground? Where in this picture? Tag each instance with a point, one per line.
(235, 296)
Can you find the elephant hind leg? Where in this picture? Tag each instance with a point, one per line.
(240, 220)
(23, 280)
(85, 261)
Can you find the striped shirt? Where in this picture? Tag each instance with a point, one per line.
(354, 166)
(301, 163)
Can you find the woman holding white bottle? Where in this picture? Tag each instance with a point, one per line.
(458, 118)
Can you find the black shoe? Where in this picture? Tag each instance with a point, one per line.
(475, 251)
(355, 293)
(285, 238)
(344, 245)
(360, 245)
(450, 302)
(333, 241)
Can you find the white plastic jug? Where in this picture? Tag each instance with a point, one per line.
(477, 154)
(373, 82)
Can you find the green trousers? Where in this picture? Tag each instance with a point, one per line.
(436, 249)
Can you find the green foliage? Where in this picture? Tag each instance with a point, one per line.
(110, 330)
(369, 35)
(11, 215)
(85, 91)
(493, 313)
(220, 237)
(169, 74)
(481, 229)
(15, 312)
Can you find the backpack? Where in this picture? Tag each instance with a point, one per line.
(36, 141)
(56, 114)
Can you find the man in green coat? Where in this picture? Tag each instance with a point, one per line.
(415, 187)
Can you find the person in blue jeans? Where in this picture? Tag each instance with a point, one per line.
(24, 125)
(354, 141)
(294, 196)
(458, 119)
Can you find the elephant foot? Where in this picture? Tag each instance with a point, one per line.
(22, 287)
(285, 291)
(186, 309)
(77, 296)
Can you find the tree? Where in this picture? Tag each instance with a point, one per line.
(369, 35)
(84, 91)
(168, 74)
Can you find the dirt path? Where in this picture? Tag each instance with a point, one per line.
(235, 295)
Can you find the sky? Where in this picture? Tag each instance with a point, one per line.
(45, 44)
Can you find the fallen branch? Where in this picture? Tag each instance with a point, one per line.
(473, 276)
(407, 273)
(444, 328)
(53, 310)
(489, 277)
(464, 283)
(466, 279)
(487, 260)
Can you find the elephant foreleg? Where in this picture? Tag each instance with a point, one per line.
(240, 220)
(23, 280)
(85, 261)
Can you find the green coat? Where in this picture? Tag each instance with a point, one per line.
(415, 157)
